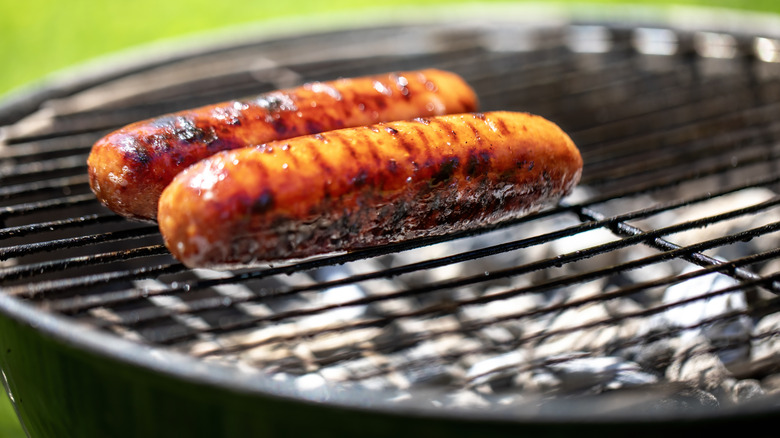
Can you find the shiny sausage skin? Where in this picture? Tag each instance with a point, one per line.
(353, 188)
(129, 168)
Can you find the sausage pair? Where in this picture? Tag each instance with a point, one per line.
(311, 185)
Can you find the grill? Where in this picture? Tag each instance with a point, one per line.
(649, 293)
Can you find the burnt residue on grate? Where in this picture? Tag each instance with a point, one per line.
(658, 278)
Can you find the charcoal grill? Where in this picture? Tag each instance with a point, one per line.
(645, 302)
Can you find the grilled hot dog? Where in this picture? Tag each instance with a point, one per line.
(129, 168)
(352, 188)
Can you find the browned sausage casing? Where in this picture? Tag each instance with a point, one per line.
(353, 188)
(129, 168)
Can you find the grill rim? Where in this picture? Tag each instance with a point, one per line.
(189, 369)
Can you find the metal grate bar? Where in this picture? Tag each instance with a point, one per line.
(61, 224)
(40, 169)
(26, 271)
(70, 284)
(58, 185)
(72, 242)
(624, 229)
(49, 204)
(72, 145)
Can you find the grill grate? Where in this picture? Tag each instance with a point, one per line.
(680, 190)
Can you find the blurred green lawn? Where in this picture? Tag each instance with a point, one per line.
(41, 36)
(38, 37)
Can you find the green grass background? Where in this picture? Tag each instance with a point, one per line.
(38, 37)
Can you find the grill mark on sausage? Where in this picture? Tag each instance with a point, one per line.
(502, 127)
(324, 167)
(348, 145)
(135, 151)
(406, 143)
(477, 136)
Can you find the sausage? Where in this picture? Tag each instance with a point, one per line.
(129, 168)
(353, 188)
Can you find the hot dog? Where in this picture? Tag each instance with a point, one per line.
(352, 188)
(129, 168)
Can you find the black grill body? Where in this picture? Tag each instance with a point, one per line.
(486, 332)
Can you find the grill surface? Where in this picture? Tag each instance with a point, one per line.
(679, 135)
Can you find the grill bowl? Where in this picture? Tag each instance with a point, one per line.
(103, 334)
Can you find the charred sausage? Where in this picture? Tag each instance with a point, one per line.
(129, 168)
(353, 188)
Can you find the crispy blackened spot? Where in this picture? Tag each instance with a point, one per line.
(447, 168)
(180, 158)
(281, 126)
(471, 164)
(392, 166)
(391, 130)
(478, 162)
(361, 178)
(263, 203)
(313, 126)
(423, 120)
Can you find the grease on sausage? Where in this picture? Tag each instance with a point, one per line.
(129, 168)
(353, 188)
